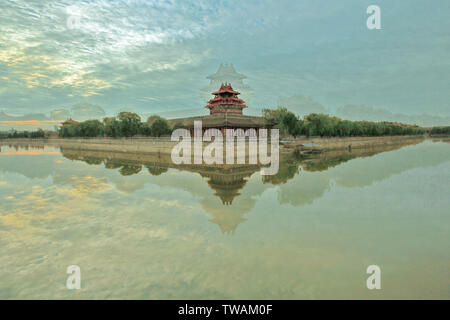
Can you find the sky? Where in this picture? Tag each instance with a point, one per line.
(153, 56)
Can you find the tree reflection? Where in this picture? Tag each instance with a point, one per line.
(129, 169)
(155, 170)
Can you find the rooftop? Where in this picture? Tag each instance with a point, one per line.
(226, 88)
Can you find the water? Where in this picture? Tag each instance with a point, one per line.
(140, 228)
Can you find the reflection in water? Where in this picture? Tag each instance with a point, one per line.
(227, 181)
(139, 217)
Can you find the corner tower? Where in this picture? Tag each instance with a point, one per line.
(226, 101)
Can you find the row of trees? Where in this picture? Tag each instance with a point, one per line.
(126, 124)
(328, 126)
(440, 130)
(23, 134)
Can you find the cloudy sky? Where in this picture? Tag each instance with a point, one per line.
(153, 56)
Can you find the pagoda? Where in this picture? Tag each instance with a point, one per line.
(225, 112)
(226, 101)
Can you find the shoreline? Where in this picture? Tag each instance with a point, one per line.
(158, 163)
(326, 144)
(164, 145)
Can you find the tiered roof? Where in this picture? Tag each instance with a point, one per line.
(226, 98)
(226, 88)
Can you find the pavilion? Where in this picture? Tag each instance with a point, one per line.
(225, 112)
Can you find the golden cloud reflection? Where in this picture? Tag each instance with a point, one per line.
(90, 184)
(28, 153)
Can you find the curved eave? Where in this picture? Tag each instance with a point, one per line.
(227, 105)
(226, 91)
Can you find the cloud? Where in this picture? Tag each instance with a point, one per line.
(116, 53)
(122, 35)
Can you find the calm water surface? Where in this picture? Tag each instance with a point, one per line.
(141, 229)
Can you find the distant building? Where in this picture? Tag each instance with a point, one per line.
(69, 122)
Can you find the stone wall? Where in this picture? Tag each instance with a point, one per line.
(165, 146)
(338, 143)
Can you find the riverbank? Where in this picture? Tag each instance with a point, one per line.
(158, 163)
(325, 144)
(164, 145)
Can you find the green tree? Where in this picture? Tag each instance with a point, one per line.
(160, 127)
(177, 126)
(111, 127)
(299, 128)
(343, 128)
(152, 119)
(288, 123)
(145, 129)
(273, 116)
(90, 128)
(320, 124)
(130, 123)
